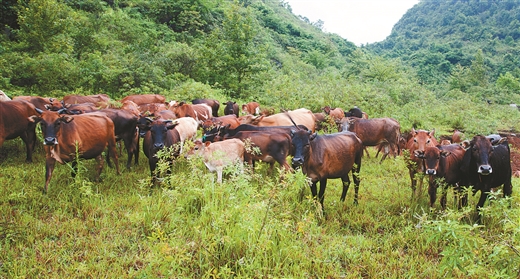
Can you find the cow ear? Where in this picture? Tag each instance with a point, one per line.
(313, 136)
(432, 132)
(207, 143)
(66, 118)
(445, 153)
(34, 119)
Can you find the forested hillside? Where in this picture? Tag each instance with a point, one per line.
(466, 45)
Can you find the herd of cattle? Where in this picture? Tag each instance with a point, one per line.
(90, 125)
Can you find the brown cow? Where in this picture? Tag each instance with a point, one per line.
(218, 155)
(251, 108)
(144, 99)
(417, 142)
(65, 136)
(374, 132)
(42, 103)
(300, 116)
(269, 147)
(231, 108)
(457, 136)
(336, 114)
(328, 156)
(99, 100)
(324, 122)
(442, 165)
(230, 120)
(213, 104)
(14, 123)
(199, 112)
(151, 108)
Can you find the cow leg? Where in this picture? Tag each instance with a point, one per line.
(321, 194)
(49, 168)
(346, 185)
(480, 204)
(29, 139)
(219, 175)
(432, 190)
(99, 167)
(414, 182)
(314, 190)
(112, 150)
(443, 197)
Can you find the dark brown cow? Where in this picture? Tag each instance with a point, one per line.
(80, 108)
(328, 156)
(442, 165)
(125, 129)
(145, 99)
(199, 112)
(65, 136)
(487, 166)
(269, 147)
(418, 141)
(300, 116)
(231, 108)
(219, 132)
(41, 103)
(375, 131)
(356, 112)
(159, 134)
(213, 104)
(251, 108)
(99, 100)
(14, 122)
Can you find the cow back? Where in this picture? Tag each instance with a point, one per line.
(145, 99)
(14, 119)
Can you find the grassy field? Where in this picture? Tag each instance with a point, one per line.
(251, 226)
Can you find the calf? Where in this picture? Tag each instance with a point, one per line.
(218, 155)
(487, 166)
(442, 162)
(328, 156)
(336, 114)
(251, 108)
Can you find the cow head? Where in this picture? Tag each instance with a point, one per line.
(158, 129)
(420, 139)
(480, 151)
(432, 156)
(301, 143)
(50, 122)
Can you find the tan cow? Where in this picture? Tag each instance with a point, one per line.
(300, 116)
(218, 155)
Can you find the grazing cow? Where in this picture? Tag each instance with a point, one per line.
(4, 97)
(456, 137)
(251, 108)
(418, 140)
(231, 121)
(144, 99)
(487, 166)
(213, 104)
(199, 112)
(218, 155)
(374, 132)
(300, 116)
(328, 156)
(41, 103)
(324, 122)
(231, 108)
(14, 122)
(125, 129)
(65, 136)
(99, 100)
(80, 108)
(442, 162)
(269, 147)
(151, 108)
(219, 132)
(159, 134)
(336, 114)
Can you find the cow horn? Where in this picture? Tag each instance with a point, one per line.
(38, 110)
(61, 111)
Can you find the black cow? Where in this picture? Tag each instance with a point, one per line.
(487, 166)
(160, 133)
(231, 108)
(328, 156)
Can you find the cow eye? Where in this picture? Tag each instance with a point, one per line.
(428, 141)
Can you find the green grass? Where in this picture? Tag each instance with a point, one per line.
(251, 226)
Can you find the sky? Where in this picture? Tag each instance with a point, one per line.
(359, 21)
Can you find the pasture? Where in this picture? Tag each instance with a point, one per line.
(251, 226)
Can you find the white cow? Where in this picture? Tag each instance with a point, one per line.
(4, 97)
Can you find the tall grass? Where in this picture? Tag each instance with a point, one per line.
(251, 226)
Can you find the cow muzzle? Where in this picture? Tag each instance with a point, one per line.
(485, 169)
(297, 162)
(158, 146)
(50, 141)
(431, 172)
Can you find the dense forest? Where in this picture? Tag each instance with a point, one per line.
(447, 65)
